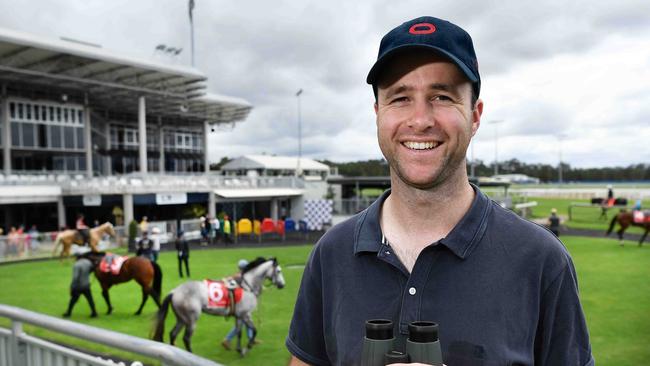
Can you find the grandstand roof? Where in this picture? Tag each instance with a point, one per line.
(105, 80)
(274, 163)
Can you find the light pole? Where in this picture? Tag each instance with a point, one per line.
(560, 137)
(298, 172)
(191, 10)
(496, 144)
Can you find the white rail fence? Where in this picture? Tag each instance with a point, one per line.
(20, 349)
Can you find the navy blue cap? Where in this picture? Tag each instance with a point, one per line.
(434, 34)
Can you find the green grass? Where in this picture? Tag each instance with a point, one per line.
(614, 287)
(581, 217)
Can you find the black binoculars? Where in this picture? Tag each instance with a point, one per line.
(422, 344)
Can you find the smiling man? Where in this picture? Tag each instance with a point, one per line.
(434, 247)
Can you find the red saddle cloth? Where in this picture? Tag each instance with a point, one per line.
(641, 217)
(112, 263)
(218, 294)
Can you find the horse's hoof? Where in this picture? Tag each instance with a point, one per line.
(226, 344)
(138, 313)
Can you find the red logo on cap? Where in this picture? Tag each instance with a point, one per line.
(422, 28)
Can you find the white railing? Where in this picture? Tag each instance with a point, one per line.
(20, 349)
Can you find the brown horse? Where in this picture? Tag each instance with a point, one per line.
(625, 219)
(69, 237)
(145, 272)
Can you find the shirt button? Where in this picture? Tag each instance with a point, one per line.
(412, 291)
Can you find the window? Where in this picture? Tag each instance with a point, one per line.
(71, 163)
(28, 111)
(68, 137)
(37, 112)
(59, 163)
(58, 114)
(15, 134)
(42, 135)
(65, 114)
(82, 162)
(80, 138)
(12, 110)
(29, 135)
(55, 136)
(80, 114)
(20, 110)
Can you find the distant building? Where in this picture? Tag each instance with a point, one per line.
(268, 165)
(515, 179)
(77, 122)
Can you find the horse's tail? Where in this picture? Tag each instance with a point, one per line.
(157, 279)
(159, 325)
(611, 225)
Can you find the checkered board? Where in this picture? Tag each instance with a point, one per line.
(318, 212)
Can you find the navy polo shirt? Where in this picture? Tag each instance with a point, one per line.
(502, 289)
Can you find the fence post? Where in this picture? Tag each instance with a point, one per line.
(18, 347)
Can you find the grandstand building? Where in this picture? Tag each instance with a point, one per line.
(83, 129)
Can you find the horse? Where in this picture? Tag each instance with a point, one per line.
(69, 237)
(145, 272)
(625, 219)
(189, 299)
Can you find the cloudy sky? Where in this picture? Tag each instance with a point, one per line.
(569, 78)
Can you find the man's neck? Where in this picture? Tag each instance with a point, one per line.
(412, 219)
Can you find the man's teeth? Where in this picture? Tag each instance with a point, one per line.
(421, 145)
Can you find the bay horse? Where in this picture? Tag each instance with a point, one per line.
(71, 236)
(190, 299)
(625, 219)
(145, 272)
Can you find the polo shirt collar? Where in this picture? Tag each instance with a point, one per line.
(462, 239)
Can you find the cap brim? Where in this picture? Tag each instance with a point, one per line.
(381, 62)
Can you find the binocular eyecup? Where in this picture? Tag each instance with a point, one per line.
(422, 344)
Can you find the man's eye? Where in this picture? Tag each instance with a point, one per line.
(443, 98)
(399, 100)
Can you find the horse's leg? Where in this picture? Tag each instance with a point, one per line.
(107, 298)
(620, 233)
(187, 337)
(248, 321)
(174, 332)
(238, 329)
(645, 234)
(145, 296)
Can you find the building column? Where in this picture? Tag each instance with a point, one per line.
(108, 161)
(88, 143)
(60, 207)
(6, 133)
(161, 146)
(274, 209)
(142, 133)
(127, 203)
(206, 132)
(212, 204)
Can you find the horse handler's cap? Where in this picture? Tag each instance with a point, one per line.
(434, 34)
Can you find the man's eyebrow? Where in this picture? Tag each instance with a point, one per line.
(397, 90)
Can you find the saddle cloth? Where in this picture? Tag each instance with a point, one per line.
(218, 294)
(112, 263)
(641, 217)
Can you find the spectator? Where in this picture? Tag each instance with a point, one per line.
(82, 228)
(155, 239)
(554, 223)
(183, 250)
(145, 247)
(144, 225)
(226, 229)
(80, 285)
(216, 230)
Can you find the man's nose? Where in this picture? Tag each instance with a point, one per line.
(422, 117)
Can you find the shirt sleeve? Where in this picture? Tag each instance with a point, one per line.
(305, 339)
(562, 336)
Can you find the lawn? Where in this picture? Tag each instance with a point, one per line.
(582, 217)
(614, 287)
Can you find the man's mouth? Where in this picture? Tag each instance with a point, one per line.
(429, 145)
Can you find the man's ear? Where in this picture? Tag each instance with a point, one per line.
(476, 116)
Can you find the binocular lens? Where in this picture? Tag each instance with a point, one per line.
(379, 329)
(423, 332)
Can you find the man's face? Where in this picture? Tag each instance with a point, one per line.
(425, 119)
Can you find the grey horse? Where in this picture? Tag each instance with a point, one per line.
(190, 299)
